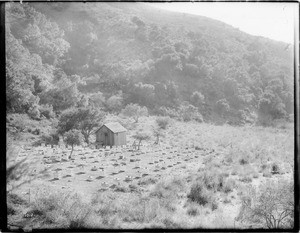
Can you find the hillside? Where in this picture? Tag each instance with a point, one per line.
(208, 113)
(223, 73)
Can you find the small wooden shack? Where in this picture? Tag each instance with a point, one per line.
(111, 134)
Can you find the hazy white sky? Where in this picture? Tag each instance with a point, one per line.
(271, 20)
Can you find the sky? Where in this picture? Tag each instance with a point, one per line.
(272, 20)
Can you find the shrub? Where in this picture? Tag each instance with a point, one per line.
(197, 99)
(198, 148)
(227, 200)
(168, 188)
(275, 168)
(77, 215)
(193, 211)
(234, 172)
(134, 188)
(48, 139)
(10, 209)
(243, 161)
(199, 194)
(262, 167)
(271, 206)
(229, 185)
(225, 174)
(61, 208)
(36, 131)
(198, 117)
(171, 224)
(46, 111)
(189, 112)
(168, 204)
(132, 208)
(229, 159)
(265, 120)
(15, 199)
(245, 179)
(214, 205)
(267, 174)
(19, 121)
(163, 122)
(281, 123)
(212, 180)
(14, 202)
(34, 112)
(122, 189)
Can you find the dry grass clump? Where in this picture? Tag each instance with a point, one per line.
(64, 210)
(216, 180)
(208, 159)
(171, 224)
(226, 200)
(49, 209)
(199, 194)
(147, 181)
(212, 179)
(270, 169)
(245, 179)
(229, 185)
(267, 174)
(134, 210)
(130, 208)
(234, 171)
(229, 158)
(246, 172)
(243, 161)
(168, 188)
(202, 196)
(192, 211)
(163, 122)
(167, 192)
(257, 146)
(275, 169)
(262, 168)
(15, 204)
(109, 207)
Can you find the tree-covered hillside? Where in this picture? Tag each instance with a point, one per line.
(108, 55)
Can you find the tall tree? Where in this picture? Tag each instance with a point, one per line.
(34, 45)
(135, 111)
(86, 120)
(91, 120)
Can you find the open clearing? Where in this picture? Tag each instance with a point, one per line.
(241, 155)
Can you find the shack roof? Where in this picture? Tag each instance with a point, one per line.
(115, 127)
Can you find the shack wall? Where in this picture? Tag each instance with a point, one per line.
(120, 139)
(102, 139)
(112, 139)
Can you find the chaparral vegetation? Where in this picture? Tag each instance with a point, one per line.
(208, 113)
